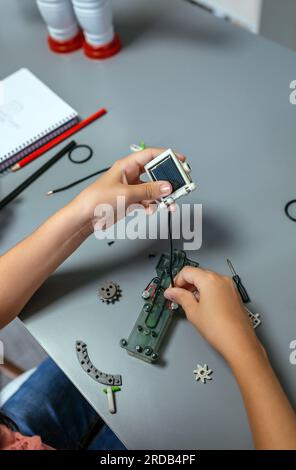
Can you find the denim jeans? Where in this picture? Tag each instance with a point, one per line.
(49, 405)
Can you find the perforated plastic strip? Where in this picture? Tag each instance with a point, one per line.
(89, 368)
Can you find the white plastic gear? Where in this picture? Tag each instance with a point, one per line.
(203, 373)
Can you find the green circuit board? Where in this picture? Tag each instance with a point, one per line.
(146, 337)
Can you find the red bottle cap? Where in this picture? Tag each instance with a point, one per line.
(63, 47)
(103, 52)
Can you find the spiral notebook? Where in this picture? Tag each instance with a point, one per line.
(30, 116)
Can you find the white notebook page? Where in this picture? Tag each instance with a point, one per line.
(28, 111)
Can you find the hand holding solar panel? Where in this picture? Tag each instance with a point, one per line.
(167, 167)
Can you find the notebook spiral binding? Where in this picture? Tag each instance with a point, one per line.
(36, 142)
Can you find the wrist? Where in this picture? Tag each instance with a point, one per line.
(77, 219)
(249, 353)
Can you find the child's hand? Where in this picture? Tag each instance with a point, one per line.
(123, 179)
(212, 304)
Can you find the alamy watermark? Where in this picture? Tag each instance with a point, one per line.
(293, 352)
(134, 223)
(292, 96)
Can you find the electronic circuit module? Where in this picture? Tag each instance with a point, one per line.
(146, 337)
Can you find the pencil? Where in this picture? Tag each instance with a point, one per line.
(36, 175)
(58, 139)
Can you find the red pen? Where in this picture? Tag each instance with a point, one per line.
(57, 140)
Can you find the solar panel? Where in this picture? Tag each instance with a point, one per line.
(168, 171)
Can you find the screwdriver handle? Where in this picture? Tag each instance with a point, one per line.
(241, 289)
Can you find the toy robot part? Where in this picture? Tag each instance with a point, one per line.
(174, 306)
(168, 167)
(146, 337)
(254, 317)
(109, 292)
(203, 373)
(111, 399)
(89, 368)
(137, 148)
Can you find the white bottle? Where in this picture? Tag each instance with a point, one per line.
(95, 18)
(61, 23)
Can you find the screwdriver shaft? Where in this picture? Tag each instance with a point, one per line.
(237, 280)
(232, 270)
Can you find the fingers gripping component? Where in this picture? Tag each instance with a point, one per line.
(91, 370)
(146, 338)
(109, 292)
(168, 167)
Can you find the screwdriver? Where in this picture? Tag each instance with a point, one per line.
(237, 280)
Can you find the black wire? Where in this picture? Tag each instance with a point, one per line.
(287, 209)
(74, 183)
(85, 159)
(171, 247)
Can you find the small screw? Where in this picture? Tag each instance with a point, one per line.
(139, 348)
(123, 342)
(148, 351)
(139, 328)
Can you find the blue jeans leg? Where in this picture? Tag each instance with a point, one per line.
(49, 405)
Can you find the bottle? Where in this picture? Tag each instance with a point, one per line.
(95, 18)
(64, 32)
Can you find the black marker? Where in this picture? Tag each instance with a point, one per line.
(36, 175)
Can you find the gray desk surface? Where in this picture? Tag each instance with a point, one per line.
(187, 80)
